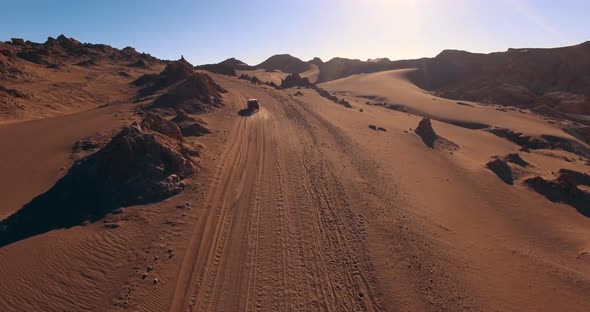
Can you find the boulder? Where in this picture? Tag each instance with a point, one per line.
(426, 132)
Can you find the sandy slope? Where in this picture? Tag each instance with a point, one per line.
(395, 88)
(302, 207)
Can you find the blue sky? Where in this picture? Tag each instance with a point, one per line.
(211, 31)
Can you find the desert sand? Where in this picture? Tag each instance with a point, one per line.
(302, 206)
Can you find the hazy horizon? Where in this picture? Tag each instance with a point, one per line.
(251, 32)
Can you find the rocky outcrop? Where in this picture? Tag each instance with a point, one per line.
(252, 79)
(63, 50)
(501, 169)
(557, 77)
(515, 159)
(39, 55)
(573, 177)
(431, 139)
(338, 67)
(294, 80)
(426, 132)
(196, 94)
(190, 126)
(541, 142)
(564, 189)
(157, 123)
(138, 166)
(18, 41)
(181, 88)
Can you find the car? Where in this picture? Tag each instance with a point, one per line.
(253, 105)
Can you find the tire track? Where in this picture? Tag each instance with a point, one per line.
(280, 235)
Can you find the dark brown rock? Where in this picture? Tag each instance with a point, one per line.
(501, 169)
(157, 123)
(516, 159)
(294, 80)
(561, 190)
(190, 126)
(425, 131)
(137, 166)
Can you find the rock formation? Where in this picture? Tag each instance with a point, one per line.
(425, 131)
(138, 166)
(190, 126)
(431, 139)
(501, 169)
(564, 189)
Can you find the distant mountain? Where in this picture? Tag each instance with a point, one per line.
(337, 67)
(227, 67)
(285, 63)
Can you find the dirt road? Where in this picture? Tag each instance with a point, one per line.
(279, 234)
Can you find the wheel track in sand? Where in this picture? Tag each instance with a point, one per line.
(280, 234)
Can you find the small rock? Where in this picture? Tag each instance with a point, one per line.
(373, 127)
(117, 211)
(156, 280)
(381, 129)
(150, 268)
(144, 275)
(111, 225)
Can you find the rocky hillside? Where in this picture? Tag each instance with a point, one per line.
(63, 51)
(63, 75)
(549, 79)
(337, 67)
(178, 86)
